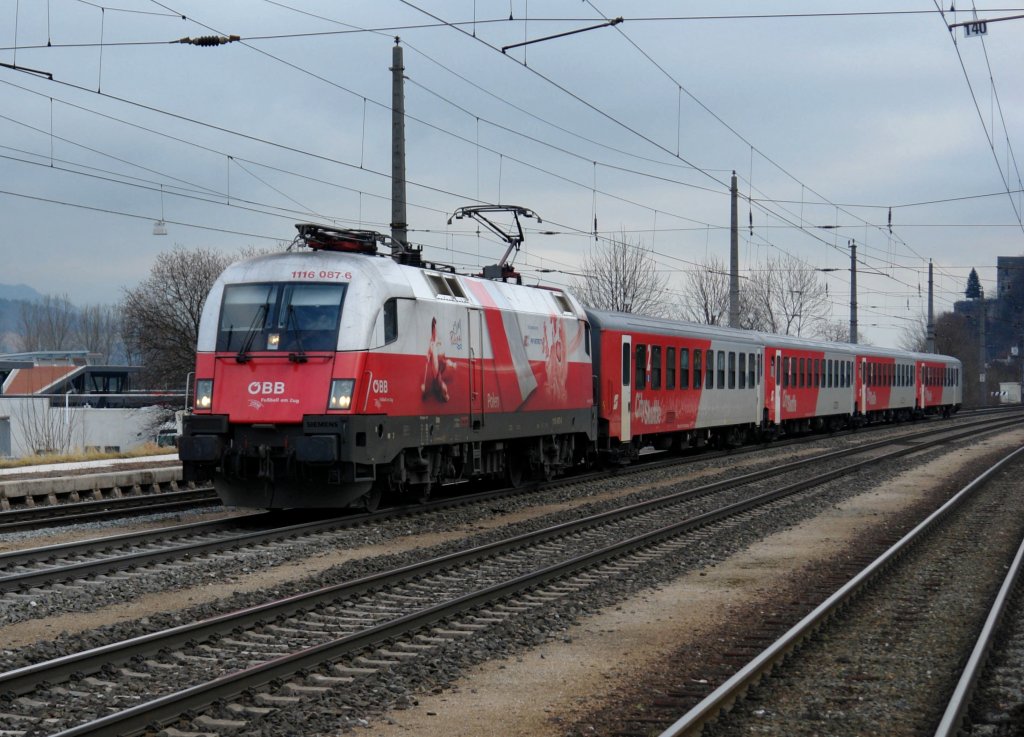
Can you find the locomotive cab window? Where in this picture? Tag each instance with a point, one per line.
(390, 320)
(285, 316)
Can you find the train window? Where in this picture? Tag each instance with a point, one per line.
(292, 316)
(759, 368)
(641, 366)
(751, 371)
(670, 367)
(655, 367)
(697, 369)
(849, 373)
(563, 303)
(586, 337)
(785, 372)
(627, 363)
(709, 375)
(390, 320)
(684, 368)
(721, 370)
(732, 369)
(743, 371)
(802, 372)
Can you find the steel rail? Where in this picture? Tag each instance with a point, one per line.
(956, 711)
(23, 680)
(725, 695)
(69, 513)
(112, 563)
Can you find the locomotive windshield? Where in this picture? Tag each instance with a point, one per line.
(292, 317)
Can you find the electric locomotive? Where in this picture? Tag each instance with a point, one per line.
(329, 375)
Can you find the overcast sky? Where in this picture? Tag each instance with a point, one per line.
(831, 113)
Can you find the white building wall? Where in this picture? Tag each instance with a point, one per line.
(36, 426)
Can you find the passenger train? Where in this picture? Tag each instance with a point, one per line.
(331, 375)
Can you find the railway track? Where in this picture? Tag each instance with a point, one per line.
(875, 656)
(30, 570)
(258, 662)
(65, 509)
(988, 698)
(72, 513)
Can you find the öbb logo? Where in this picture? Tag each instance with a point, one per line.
(266, 387)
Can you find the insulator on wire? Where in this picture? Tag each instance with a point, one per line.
(208, 40)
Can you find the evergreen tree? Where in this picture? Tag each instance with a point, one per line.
(973, 290)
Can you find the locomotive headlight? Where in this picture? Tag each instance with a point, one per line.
(204, 393)
(341, 393)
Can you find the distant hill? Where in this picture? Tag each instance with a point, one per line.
(19, 292)
(12, 297)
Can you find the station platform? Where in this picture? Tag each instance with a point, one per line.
(87, 480)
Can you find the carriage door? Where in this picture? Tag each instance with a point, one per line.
(864, 386)
(626, 406)
(477, 390)
(777, 376)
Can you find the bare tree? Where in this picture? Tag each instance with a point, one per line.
(837, 331)
(914, 334)
(45, 429)
(788, 297)
(956, 335)
(621, 276)
(705, 296)
(47, 325)
(161, 315)
(98, 330)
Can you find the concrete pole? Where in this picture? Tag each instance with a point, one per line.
(734, 259)
(981, 365)
(931, 310)
(853, 293)
(399, 234)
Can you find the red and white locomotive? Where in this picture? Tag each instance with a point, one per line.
(330, 375)
(327, 376)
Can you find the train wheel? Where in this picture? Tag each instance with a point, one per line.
(514, 462)
(370, 501)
